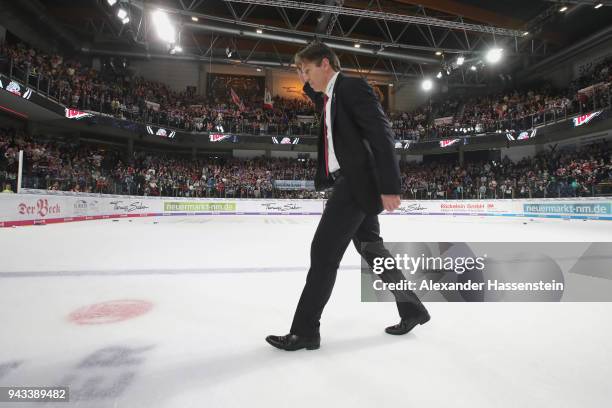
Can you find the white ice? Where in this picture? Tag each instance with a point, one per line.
(219, 285)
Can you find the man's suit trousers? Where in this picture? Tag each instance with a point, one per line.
(341, 222)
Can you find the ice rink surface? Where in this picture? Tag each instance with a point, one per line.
(173, 312)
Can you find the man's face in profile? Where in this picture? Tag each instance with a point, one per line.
(316, 76)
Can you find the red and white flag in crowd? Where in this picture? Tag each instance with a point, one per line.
(268, 104)
(236, 99)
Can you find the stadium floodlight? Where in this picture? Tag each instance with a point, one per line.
(165, 29)
(460, 60)
(439, 75)
(494, 55)
(111, 2)
(123, 15)
(427, 84)
(598, 5)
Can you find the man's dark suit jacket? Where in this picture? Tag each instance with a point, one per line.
(363, 143)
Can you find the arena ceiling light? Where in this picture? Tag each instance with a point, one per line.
(123, 16)
(357, 45)
(460, 60)
(111, 2)
(598, 5)
(259, 31)
(439, 75)
(194, 18)
(427, 84)
(164, 27)
(494, 55)
(563, 9)
(438, 53)
(473, 67)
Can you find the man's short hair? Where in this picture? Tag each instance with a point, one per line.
(315, 52)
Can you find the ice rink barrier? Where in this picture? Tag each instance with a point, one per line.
(33, 207)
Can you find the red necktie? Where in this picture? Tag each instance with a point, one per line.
(325, 99)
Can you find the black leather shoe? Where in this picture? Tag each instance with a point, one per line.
(292, 342)
(405, 325)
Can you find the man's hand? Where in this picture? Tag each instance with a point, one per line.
(390, 202)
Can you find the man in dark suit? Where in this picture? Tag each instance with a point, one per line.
(356, 156)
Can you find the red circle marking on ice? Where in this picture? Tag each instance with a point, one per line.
(110, 312)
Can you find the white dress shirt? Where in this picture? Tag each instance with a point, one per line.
(332, 161)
